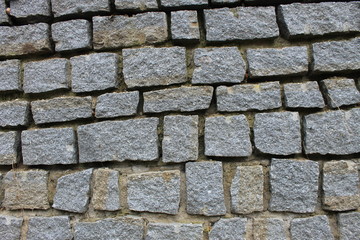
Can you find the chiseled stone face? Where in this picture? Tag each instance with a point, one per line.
(228, 229)
(68, 7)
(56, 228)
(14, 113)
(136, 4)
(9, 142)
(10, 227)
(10, 75)
(269, 229)
(174, 231)
(341, 91)
(311, 228)
(185, 25)
(303, 95)
(349, 225)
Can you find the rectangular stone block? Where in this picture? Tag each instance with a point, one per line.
(134, 139)
(10, 144)
(10, 227)
(184, 25)
(229, 229)
(10, 75)
(14, 113)
(183, 99)
(55, 228)
(269, 229)
(349, 225)
(68, 7)
(30, 9)
(341, 92)
(136, 4)
(311, 228)
(174, 231)
(111, 105)
(123, 31)
(3, 16)
(182, 3)
(303, 95)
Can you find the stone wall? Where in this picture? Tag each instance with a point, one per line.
(179, 119)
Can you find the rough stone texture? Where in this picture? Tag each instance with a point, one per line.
(10, 227)
(72, 192)
(183, 99)
(341, 186)
(134, 139)
(229, 229)
(111, 105)
(3, 16)
(24, 40)
(30, 8)
(49, 146)
(71, 35)
(61, 109)
(123, 31)
(337, 55)
(311, 228)
(154, 192)
(247, 190)
(314, 19)
(10, 75)
(241, 23)
(349, 225)
(26, 190)
(45, 228)
(294, 185)
(124, 228)
(136, 4)
(181, 3)
(144, 67)
(184, 25)
(180, 142)
(303, 95)
(244, 97)
(341, 91)
(9, 142)
(277, 61)
(106, 191)
(46, 76)
(277, 133)
(227, 136)
(335, 132)
(218, 65)
(14, 113)
(204, 188)
(94, 72)
(224, 1)
(269, 229)
(174, 231)
(67, 7)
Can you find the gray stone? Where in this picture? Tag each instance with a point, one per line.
(144, 67)
(311, 228)
(294, 185)
(134, 139)
(71, 35)
(72, 192)
(10, 75)
(183, 99)
(174, 231)
(46, 75)
(244, 97)
(94, 72)
(26, 190)
(49, 146)
(14, 113)
(184, 25)
(45, 228)
(61, 109)
(10, 227)
(303, 95)
(67, 7)
(241, 23)
(154, 192)
(204, 188)
(180, 142)
(229, 229)
(218, 65)
(3, 16)
(30, 8)
(227, 136)
(269, 229)
(224, 1)
(337, 55)
(24, 40)
(136, 4)
(124, 31)
(10, 143)
(181, 3)
(349, 225)
(341, 91)
(285, 137)
(277, 61)
(334, 132)
(111, 105)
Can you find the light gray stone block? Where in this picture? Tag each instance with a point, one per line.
(111, 105)
(303, 95)
(44, 228)
(341, 91)
(224, 1)
(30, 8)
(10, 227)
(14, 113)
(184, 25)
(349, 225)
(136, 4)
(10, 143)
(311, 228)
(229, 229)
(3, 16)
(68, 7)
(269, 229)
(10, 75)
(182, 3)
(174, 231)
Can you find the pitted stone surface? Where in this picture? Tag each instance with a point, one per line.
(3, 16)
(174, 231)
(349, 225)
(30, 8)
(311, 228)
(111, 105)
(67, 7)
(10, 75)
(10, 227)
(45, 228)
(14, 113)
(184, 25)
(303, 95)
(136, 4)
(179, 3)
(269, 229)
(229, 229)
(341, 91)
(10, 143)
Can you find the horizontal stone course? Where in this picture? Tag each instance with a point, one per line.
(10, 143)
(10, 227)
(28, 9)
(174, 231)
(14, 113)
(10, 75)
(303, 95)
(68, 7)
(341, 92)
(111, 105)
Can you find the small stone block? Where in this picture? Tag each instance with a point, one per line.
(54, 228)
(184, 25)
(111, 105)
(10, 227)
(182, 3)
(229, 229)
(311, 228)
(349, 225)
(269, 229)
(10, 143)
(4, 18)
(303, 95)
(10, 75)
(136, 4)
(341, 92)
(14, 113)
(68, 7)
(27, 9)
(174, 231)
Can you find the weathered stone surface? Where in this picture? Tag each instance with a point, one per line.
(3, 16)
(224, 1)
(30, 8)
(10, 227)
(134, 139)
(349, 225)
(269, 229)
(61, 109)
(10, 75)
(218, 65)
(111, 105)
(204, 188)
(144, 67)
(341, 91)
(24, 40)
(26, 190)
(303, 95)
(49, 146)
(335, 132)
(106, 190)
(174, 231)
(244, 97)
(136, 4)
(294, 185)
(71, 35)
(124, 31)
(337, 55)
(229, 229)
(184, 25)
(181, 3)
(72, 192)
(311, 228)
(241, 23)
(46, 76)
(285, 137)
(10, 143)
(94, 72)
(45, 228)
(341, 186)
(227, 136)
(277, 61)
(125, 228)
(183, 99)
(313, 19)
(180, 142)
(14, 113)
(247, 190)
(66, 7)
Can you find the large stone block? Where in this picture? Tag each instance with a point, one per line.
(269, 229)
(303, 95)
(14, 113)
(44, 228)
(174, 231)
(341, 91)
(10, 143)
(10, 227)
(349, 225)
(136, 4)
(311, 228)
(111, 105)
(10, 75)
(229, 229)
(68, 7)
(30, 8)
(182, 3)
(184, 25)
